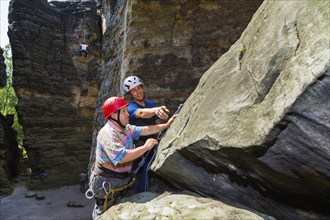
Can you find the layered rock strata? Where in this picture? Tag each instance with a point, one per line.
(55, 86)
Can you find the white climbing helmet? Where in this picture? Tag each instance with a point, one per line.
(132, 82)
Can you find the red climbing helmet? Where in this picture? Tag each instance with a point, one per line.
(112, 105)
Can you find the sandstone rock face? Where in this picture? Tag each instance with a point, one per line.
(176, 206)
(169, 44)
(56, 88)
(256, 129)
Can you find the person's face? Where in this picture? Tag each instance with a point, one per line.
(137, 93)
(124, 116)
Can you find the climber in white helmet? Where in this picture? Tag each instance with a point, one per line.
(142, 112)
(144, 109)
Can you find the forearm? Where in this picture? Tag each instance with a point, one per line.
(162, 112)
(133, 154)
(153, 129)
(145, 112)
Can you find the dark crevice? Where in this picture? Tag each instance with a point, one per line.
(13, 154)
(254, 82)
(173, 25)
(275, 67)
(298, 37)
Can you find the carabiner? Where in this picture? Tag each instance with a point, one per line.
(89, 193)
(103, 185)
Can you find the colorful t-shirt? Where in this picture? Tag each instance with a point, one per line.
(133, 107)
(113, 143)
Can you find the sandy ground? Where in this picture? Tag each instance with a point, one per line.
(53, 207)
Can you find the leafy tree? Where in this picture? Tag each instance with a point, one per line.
(8, 99)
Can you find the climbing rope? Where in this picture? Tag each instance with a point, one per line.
(84, 26)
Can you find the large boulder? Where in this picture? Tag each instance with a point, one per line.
(256, 129)
(177, 206)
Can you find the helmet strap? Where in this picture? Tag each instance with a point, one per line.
(118, 120)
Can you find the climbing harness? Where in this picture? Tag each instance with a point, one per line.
(113, 191)
(107, 188)
(90, 192)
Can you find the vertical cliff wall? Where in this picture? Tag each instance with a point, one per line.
(169, 44)
(56, 88)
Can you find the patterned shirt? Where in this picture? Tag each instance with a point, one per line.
(113, 143)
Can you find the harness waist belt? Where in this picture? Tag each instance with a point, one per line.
(110, 173)
(110, 165)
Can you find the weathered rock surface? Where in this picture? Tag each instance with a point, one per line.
(176, 206)
(256, 129)
(56, 88)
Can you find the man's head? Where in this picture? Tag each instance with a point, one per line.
(115, 108)
(134, 86)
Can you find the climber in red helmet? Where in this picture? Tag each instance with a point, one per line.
(115, 153)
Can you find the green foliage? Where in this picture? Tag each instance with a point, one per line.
(241, 50)
(8, 99)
